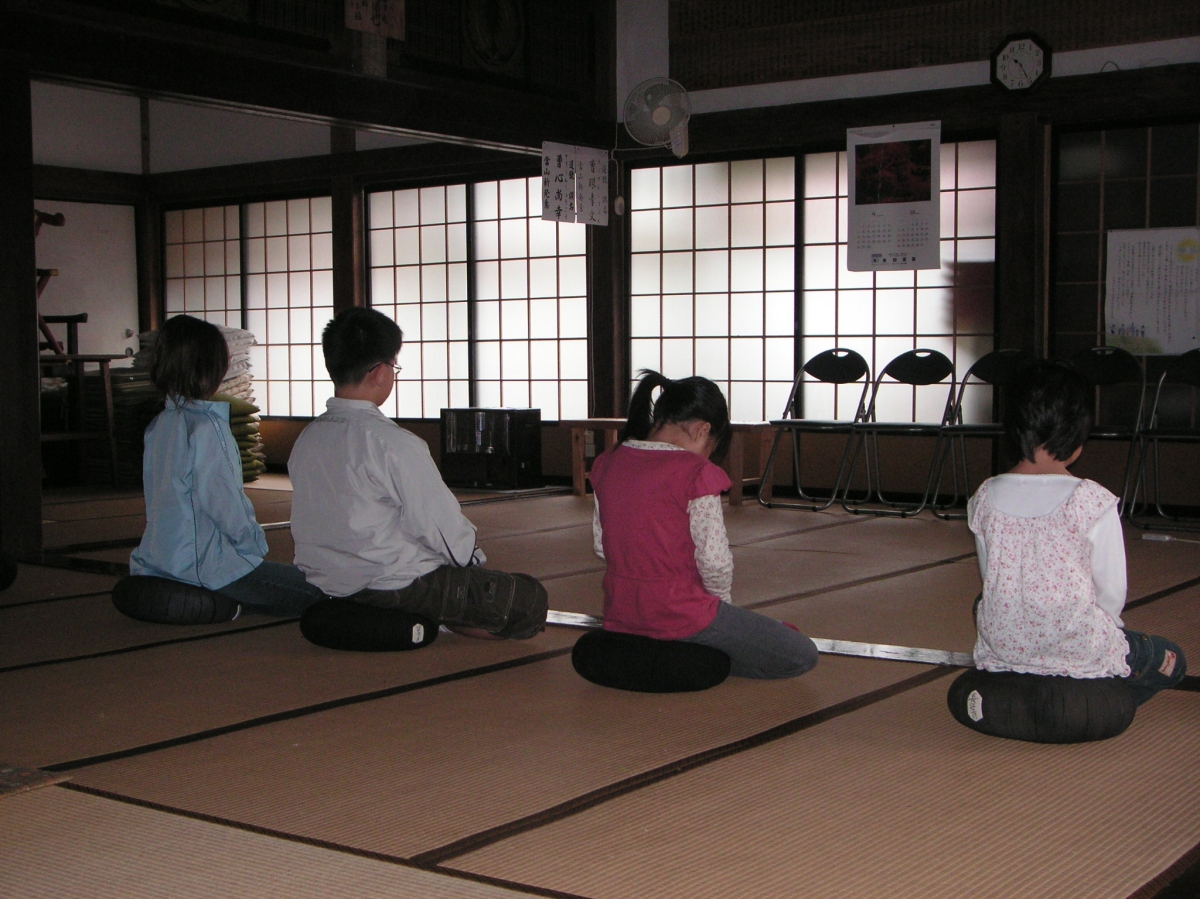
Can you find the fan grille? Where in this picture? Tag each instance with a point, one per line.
(655, 110)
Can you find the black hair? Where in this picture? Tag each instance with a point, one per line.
(688, 399)
(189, 359)
(357, 340)
(1047, 404)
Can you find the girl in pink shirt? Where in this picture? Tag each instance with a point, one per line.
(658, 524)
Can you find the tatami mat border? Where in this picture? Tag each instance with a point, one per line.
(38, 602)
(67, 548)
(138, 647)
(91, 566)
(841, 522)
(1160, 594)
(319, 844)
(303, 711)
(672, 769)
(833, 588)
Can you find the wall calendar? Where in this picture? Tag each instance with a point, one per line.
(894, 219)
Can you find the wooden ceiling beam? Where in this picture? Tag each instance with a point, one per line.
(93, 53)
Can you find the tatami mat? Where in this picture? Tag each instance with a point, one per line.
(430, 767)
(62, 844)
(1174, 617)
(58, 713)
(37, 583)
(1154, 566)
(69, 628)
(851, 781)
(895, 800)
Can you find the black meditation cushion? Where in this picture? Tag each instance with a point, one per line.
(164, 601)
(8, 570)
(1041, 708)
(645, 665)
(356, 626)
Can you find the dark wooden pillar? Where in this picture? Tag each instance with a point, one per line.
(608, 312)
(148, 224)
(20, 443)
(349, 229)
(349, 258)
(1022, 232)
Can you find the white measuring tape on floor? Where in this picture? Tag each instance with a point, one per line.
(832, 647)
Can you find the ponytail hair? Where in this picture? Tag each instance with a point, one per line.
(688, 399)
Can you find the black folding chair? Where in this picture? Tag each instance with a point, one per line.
(1115, 373)
(836, 366)
(1172, 419)
(919, 367)
(995, 369)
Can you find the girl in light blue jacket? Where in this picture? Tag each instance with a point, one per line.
(200, 526)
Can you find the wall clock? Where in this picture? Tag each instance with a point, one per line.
(1021, 62)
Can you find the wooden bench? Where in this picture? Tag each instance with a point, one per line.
(610, 428)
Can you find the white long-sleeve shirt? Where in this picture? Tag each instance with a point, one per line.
(706, 518)
(369, 507)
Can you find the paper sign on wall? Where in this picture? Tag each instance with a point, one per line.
(385, 17)
(894, 217)
(1152, 295)
(591, 186)
(574, 184)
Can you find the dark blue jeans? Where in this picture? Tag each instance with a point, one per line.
(757, 646)
(273, 589)
(1155, 664)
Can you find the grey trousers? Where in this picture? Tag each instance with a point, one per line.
(757, 646)
(507, 605)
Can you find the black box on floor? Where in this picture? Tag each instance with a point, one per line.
(497, 448)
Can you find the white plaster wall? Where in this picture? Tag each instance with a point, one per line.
(966, 74)
(380, 140)
(643, 46)
(86, 129)
(95, 252)
(194, 137)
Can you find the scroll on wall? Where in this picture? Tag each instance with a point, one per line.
(1152, 290)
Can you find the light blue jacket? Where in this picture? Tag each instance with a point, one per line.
(200, 526)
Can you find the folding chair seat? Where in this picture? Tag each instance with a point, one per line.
(1172, 419)
(917, 368)
(995, 369)
(836, 366)
(1115, 374)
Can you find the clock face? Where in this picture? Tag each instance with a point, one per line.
(1020, 63)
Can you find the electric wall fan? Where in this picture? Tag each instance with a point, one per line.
(657, 113)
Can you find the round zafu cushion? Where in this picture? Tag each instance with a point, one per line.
(164, 601)
(1041, 708)
(356, 626)
(8, 570)
(646, 665)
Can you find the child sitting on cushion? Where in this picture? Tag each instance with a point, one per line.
(1052, 554)
(658, 524)
(371, 517)
(200, 527)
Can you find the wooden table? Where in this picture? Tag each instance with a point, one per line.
(610, 428)
(75, 431)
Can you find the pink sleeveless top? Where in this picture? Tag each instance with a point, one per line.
(652, 586)
(1039, 612)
